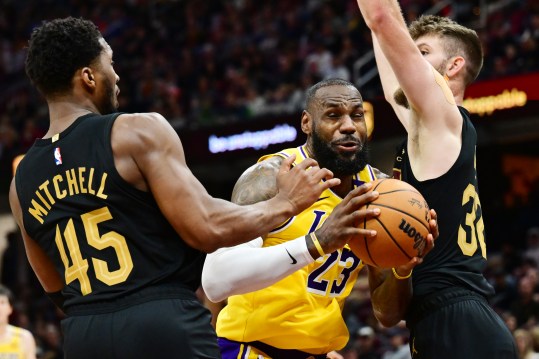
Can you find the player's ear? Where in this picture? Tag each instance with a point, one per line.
(455, 65)
(87, 77)
(306, 122)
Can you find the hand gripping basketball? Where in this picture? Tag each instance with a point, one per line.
(402, 226)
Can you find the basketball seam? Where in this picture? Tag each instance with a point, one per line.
(367, 243)
(379, 183)
(393, 239)
(398, 190)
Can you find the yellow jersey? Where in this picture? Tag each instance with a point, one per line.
(303, 310)
(12, 348)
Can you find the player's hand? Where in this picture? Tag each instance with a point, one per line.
(302, 184)
(343, 223)
(405, 269)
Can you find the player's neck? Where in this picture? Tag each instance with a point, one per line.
(63, 113)
(345, 186)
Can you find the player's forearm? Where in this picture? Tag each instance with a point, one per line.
(213, 223)
(249, 267)
(390, 83)
(389, 296)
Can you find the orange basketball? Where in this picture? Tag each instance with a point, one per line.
(402, 226)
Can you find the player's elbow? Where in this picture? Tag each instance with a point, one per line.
(376, 19)
(214, 296)
(213, 286)
(387, 319)
(206, 239)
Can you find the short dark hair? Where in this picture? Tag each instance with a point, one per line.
(57, 49)
(7, 292)
(310, 95)
(462, 41)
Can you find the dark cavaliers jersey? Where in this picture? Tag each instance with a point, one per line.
(459, 256)
(107, 238)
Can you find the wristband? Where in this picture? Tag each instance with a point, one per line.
(400, 277)
(317, 244)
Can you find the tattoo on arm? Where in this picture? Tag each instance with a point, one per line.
(258, 183)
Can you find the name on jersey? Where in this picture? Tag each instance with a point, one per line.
(72, 182)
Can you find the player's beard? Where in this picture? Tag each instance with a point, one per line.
(109, 103)
(339, 164)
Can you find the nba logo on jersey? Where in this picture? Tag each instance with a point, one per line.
(57, 156)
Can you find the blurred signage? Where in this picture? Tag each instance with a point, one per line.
(483, 98)
(252, 139)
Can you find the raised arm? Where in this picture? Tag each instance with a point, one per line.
(149, 154)
(249, 267)
(434, 121)
(390, 83)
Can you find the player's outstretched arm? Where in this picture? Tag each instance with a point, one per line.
(391, 289)
(423, 86)
(390, 83)
(248, 267)
(434, 120)
(148, 153)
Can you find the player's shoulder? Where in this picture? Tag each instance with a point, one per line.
(142, 128)
(141, 119)
(258, 182)
(269, 167)
(142, 132)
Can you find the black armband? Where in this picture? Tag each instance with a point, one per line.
(57, 298)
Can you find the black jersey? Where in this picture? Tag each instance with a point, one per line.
(106, 237)
(459, 254)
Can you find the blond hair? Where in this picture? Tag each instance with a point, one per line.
(458, 41)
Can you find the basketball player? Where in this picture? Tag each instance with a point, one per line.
(300, 273)
(15, 342)
(114, 222)
(424, 71)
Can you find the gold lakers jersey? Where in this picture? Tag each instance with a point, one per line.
(303, 310)
(12, 349)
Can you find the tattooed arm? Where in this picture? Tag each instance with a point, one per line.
(258, 182)
(248, 267)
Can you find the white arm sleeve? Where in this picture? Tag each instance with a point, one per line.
(249, 266)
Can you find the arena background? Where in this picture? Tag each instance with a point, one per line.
(230, 76)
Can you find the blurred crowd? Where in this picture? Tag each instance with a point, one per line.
(210, 63)
(206, 63)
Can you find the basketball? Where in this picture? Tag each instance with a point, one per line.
(402, 226)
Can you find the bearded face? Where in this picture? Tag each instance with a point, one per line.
(109, 103)
(341, 164)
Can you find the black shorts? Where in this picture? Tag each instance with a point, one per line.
(458, 323)
(168, 328)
